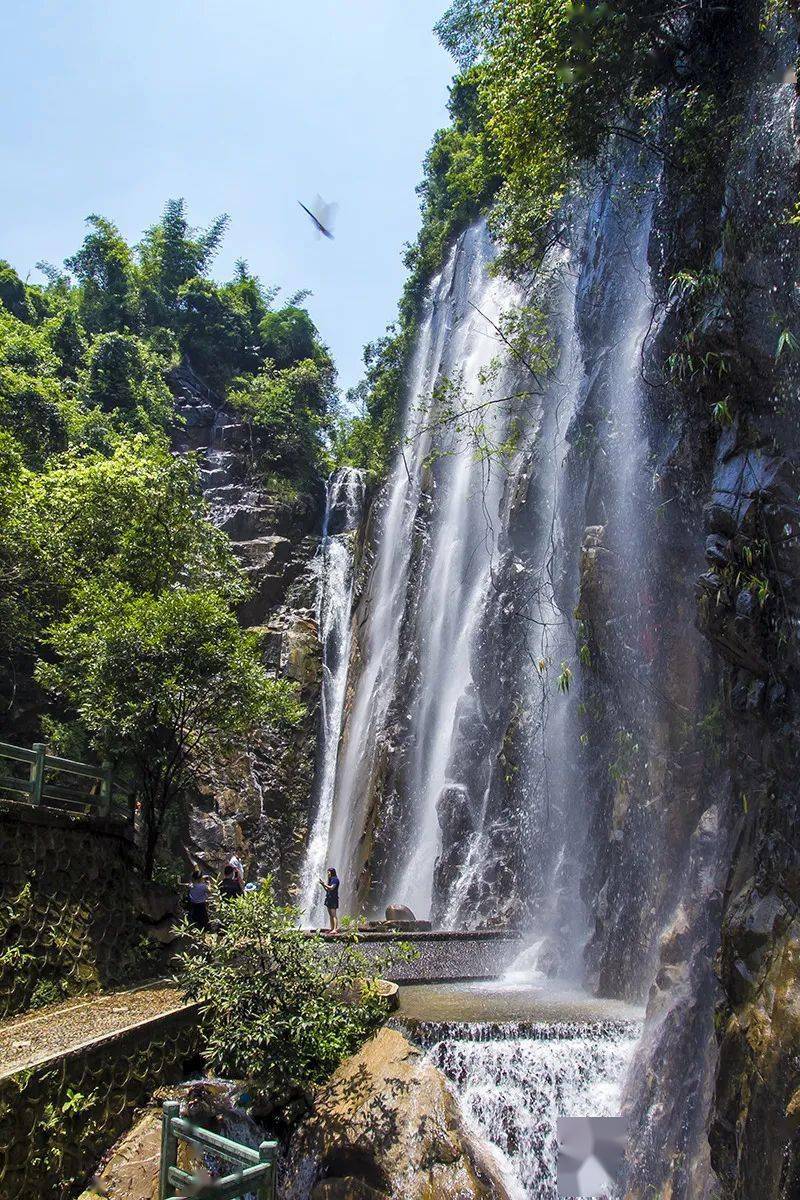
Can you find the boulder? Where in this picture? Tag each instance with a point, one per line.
(387, 1127)
(131, 1169)
(154, 902)
(399, 912)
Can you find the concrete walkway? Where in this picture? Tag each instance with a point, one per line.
(33, 1038)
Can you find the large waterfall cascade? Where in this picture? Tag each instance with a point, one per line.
(464, 546)
(343, 508)
(415, 665)
(456, 554)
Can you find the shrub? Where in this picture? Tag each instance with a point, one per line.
(273, 996)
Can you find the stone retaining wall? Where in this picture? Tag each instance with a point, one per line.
(70, 899)
(446, 956)
(58, 1118)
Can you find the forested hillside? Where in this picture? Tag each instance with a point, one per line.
(118, 597)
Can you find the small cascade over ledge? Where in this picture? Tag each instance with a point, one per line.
(515, 1081)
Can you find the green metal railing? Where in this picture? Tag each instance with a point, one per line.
(256, 1174)
(42, 780)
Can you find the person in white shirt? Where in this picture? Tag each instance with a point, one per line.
(238, 868)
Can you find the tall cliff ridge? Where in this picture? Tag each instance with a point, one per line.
(256, 804)
(572, 700)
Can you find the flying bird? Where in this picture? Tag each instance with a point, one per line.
(322, 215)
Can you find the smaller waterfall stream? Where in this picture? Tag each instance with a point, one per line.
(515, 1080)
(344, 504)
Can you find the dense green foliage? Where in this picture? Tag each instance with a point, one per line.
(115, 589)
(279, 1008)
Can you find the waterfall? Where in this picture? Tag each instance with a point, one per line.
(535, 542)
(334, 564)
(438, 526)
(514, 1081)
(466, 786)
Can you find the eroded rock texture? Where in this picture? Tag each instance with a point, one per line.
(716, 1106)
(256, 804)
(387, 1127)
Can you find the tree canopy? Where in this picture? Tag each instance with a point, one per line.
(116, 589)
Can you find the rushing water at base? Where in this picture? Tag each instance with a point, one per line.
(519, 1056)
(343, 508)
(514, 1081)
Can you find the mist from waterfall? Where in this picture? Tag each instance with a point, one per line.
(344, 504)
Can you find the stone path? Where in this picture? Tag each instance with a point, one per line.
(32, 1038)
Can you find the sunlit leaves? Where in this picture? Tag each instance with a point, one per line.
(279, 1007)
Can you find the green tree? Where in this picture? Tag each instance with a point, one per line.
(136, 517)
(14, 617)
(287, 411)
(125, 378)
(32, 406)
(215, 331)
(368, 439)
(171, 253)
(289, 335)
(68, 339)
(13, 295)
(278, 1007)
(108, 277)
(161, 682)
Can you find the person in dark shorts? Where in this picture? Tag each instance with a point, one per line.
(332, 898)
(198, 900)
(231, 884)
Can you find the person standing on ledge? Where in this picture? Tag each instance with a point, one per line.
(332, 898)
(231, 884)
(198, 900)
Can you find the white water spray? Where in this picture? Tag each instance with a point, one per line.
(344, 503)
(515, 1081)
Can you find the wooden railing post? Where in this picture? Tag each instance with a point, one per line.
(106, 784)
(169, 1146)
(37, 772)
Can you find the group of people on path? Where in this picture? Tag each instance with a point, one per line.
(232, 885)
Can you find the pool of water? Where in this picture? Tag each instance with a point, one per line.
(504, 1001)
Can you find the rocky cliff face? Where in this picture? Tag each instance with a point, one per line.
(728, 958)
(652, 804)
(256, 804)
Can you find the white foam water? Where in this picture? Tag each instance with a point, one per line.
(514, 1081)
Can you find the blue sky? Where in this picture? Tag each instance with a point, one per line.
(242, 107)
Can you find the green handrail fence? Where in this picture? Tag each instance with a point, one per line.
(42, 782)
(256, 1174)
